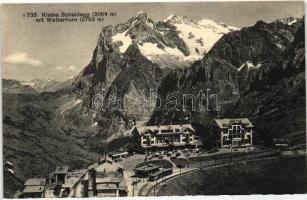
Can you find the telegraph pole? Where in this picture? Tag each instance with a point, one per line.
(133, 189)
(188, 185)
(215, 159)
(231, 154)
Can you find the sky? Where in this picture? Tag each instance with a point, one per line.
(58, 51)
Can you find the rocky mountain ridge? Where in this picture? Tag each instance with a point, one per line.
(15, 87)
(152, 49)
(240, 63)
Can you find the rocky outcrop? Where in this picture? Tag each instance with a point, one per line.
(128, 97)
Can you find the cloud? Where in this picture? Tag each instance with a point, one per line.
(22, 59)
(68, 68)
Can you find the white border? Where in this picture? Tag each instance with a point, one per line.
(131, 1)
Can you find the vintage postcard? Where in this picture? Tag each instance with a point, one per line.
(153, 99)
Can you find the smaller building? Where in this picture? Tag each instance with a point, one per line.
(235, 133)
(61, 174)
(105, 178)
(146, 170)
(118, 155)
(73, 186)
(110, 186)
(34, 188)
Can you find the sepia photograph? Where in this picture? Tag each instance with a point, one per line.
(159, 99)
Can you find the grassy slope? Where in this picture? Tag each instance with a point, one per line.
(11, 184)
(36, 140)
(286, 176)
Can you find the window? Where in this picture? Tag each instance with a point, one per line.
(160, 140)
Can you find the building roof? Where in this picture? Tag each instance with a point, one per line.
(33, 189)
(61, 170)
(118, 153)
(165, 129)
(35, 182)
(108, 166)
(224, 123)
(161, 171)
(146, 168)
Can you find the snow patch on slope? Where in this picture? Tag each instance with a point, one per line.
(198, 36)
(199, 40)
(292, 22)
(167, 57)
(124, 40)
(28, 83)
(249, 66)
(218, 27)
(289, 20)
(149, 49)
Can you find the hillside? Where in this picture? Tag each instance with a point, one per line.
(15, 87)
(276, 98)
(36, 139)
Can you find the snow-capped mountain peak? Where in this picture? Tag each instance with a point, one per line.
(219, 27)
(198, 36)
(175, 38)
(141, 14)
(178, 19)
